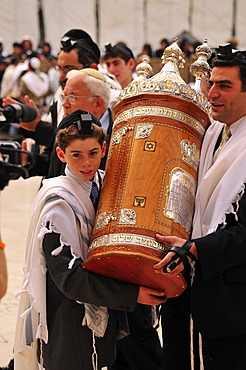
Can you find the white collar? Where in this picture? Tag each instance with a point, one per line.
(235, 125)
(105, 120)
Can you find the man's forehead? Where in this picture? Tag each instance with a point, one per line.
(68, 58)
(225, 73)
(75, 83)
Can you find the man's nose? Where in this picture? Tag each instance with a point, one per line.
(66, 102)
(62, 75)
(213, 92)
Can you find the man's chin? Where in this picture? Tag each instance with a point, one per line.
(218, 117)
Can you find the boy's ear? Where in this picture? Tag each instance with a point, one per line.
(60, 154)
(104, 148)
(131, 63)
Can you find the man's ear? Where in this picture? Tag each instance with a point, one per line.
(104, 148)
(60, 154)
(100, 104)
(93, 65)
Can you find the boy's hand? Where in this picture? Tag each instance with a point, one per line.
(151, 296)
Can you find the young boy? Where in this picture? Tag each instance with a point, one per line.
(120, 62)
(60, 321)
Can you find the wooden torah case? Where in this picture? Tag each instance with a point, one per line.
(149, 188)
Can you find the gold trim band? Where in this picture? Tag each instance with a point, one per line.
(159, 111)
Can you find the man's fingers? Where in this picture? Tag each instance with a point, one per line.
(7, 101)
(24, 157)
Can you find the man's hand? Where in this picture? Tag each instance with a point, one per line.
(151, 296)
(30, 126)
(177, 242)
(24, 157)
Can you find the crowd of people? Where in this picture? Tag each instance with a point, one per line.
(27, 71)
(70, 318)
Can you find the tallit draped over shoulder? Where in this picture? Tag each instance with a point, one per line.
(220, 184)
(72, 200)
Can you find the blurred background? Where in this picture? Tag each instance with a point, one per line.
(135, 22)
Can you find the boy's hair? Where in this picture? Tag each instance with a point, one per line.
(65, 136)
(118, 51)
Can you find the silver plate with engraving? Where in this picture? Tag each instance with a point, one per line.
(127, 217)
(190, 153)
(128, 239)
(180, 198)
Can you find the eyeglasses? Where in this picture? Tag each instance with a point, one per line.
(72, 98)
(66, 69)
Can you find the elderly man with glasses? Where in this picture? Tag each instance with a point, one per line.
(88, 90)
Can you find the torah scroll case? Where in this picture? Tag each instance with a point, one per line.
(151, 176)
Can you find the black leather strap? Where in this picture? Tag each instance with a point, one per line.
(181, 254)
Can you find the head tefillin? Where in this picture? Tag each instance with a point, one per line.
(70, 39)
(81, 119)
(226, 52)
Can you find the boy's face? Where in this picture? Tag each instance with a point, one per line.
(83, 157)
(120, 69)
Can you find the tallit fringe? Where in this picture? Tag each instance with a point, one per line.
(94, 356)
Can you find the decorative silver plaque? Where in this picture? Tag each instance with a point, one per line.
(127, 217)
(143, 131)
(180, 198)
(117, 136)
(103, 220)
(190, 153)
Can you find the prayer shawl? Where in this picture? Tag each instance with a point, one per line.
(219, 183)
(78, 214)
(37, 83)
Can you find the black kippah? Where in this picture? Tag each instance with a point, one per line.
(78, 34)
(81, 119)
(226, 52)
(70, 38)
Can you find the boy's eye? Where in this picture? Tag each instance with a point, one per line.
(76, 155)
(94, 153)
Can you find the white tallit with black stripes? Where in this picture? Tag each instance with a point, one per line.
(31, 320)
